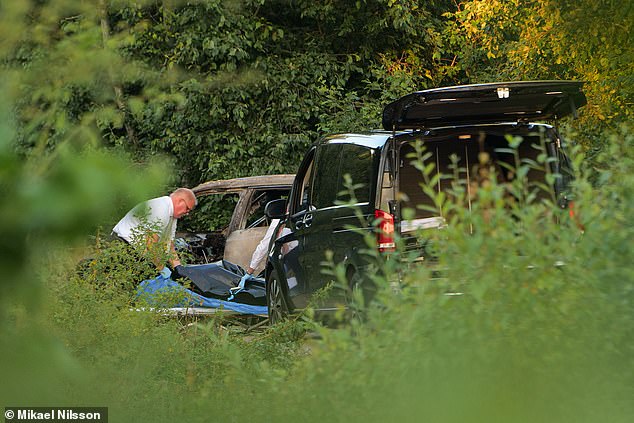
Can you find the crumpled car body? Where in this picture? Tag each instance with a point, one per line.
(237, 241)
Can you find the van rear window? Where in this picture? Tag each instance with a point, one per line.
(457, 160)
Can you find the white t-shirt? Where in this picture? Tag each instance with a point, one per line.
(156, 214)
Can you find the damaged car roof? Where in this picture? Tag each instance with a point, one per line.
(239, 184)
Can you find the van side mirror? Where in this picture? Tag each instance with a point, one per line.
(275, 209)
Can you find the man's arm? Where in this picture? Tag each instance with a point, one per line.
(261, 251)
(151, 245)
(158, 255)
(173, 258)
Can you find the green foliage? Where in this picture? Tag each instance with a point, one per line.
(237, 88)
(115, 268)
(226, 88)
(60, 196)
(523, 40)
(519, 304)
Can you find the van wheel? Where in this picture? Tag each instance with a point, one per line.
(278, 309)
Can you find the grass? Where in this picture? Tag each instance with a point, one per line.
(527, 341)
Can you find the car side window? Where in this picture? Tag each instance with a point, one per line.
(332, 163)
(565, 167)
(327, 179)
(255, 216)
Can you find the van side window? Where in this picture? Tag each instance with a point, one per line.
(327, 182)
(333, 162)
(356, 162)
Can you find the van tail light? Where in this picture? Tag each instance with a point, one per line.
(574, 215)
(385, 233)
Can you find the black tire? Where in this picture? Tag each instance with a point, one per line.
(276, 301)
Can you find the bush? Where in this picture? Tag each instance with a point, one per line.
(523, 317)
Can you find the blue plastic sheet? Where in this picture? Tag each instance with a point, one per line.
(161, 292)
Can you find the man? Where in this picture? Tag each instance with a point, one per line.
(154, 223)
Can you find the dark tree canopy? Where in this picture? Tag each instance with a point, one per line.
(237, 88)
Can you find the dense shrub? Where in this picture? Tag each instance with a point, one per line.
(524, 317)
(540, 325)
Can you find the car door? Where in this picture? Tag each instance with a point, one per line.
(353, 216)
(322, 208)
(290, 247)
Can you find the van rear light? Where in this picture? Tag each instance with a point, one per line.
(385, 233)
(572, 212)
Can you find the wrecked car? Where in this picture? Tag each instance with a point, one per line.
(220, 257)
(236, 242)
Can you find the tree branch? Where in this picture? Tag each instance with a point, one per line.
(118, 90)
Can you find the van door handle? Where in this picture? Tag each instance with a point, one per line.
(308, 220)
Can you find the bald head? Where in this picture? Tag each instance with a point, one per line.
(184, 200)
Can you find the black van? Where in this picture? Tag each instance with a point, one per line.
(458, 122)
